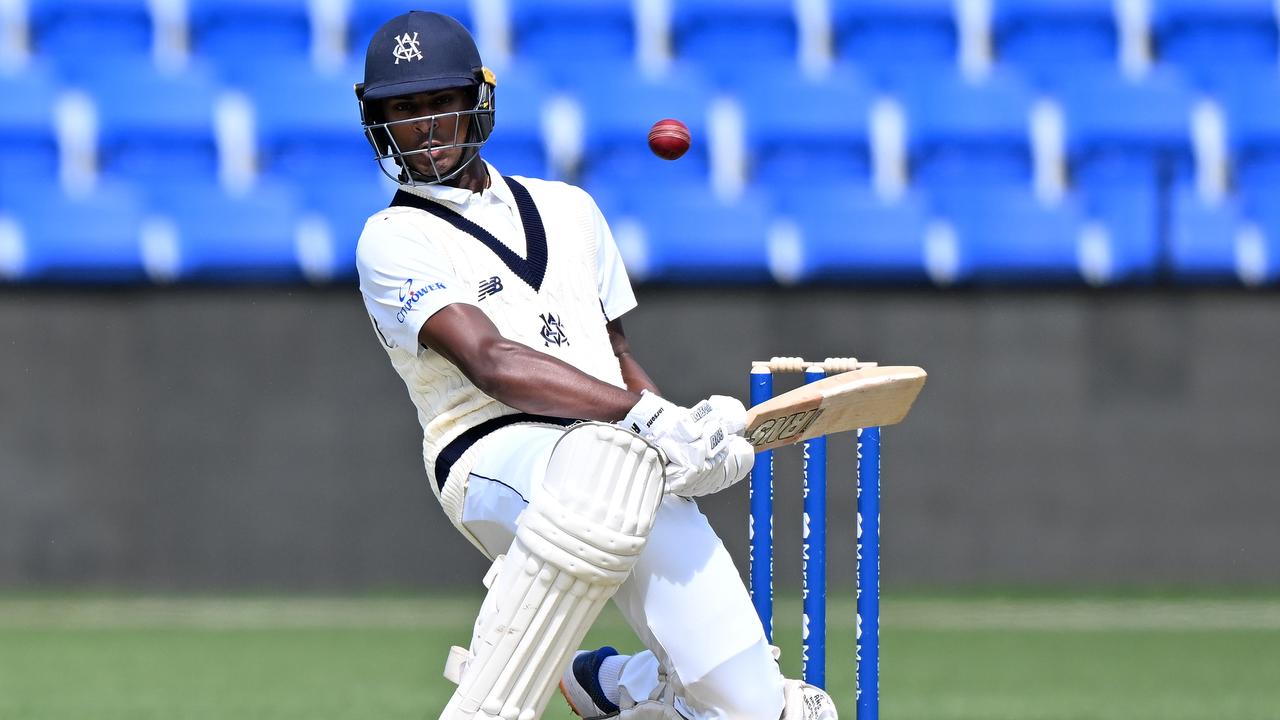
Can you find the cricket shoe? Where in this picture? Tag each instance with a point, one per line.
(807, 702)
(580, 685)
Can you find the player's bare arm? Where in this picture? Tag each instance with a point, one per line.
(633, 374)
(518, 375)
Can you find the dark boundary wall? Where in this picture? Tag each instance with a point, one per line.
(258, 439)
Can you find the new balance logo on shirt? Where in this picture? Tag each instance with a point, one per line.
(492, 286)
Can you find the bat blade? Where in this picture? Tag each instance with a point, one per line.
(870, 397)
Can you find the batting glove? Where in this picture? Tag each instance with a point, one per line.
(703, 445)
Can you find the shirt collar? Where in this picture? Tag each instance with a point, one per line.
(459, 197)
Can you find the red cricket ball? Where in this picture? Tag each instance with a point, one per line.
(669, 139)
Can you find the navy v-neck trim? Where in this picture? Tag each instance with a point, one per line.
(533, 267)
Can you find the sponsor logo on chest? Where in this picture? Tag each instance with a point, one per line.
(489, 286)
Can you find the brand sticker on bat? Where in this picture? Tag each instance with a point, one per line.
(783, 427)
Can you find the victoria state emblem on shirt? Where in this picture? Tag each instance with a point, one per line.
(553, 331)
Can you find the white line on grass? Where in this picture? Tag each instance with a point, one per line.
(454, 612)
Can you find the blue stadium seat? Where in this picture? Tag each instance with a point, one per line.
(890, 37)
(618, 115)
(557, 32)
(1251, 96)
(807, 130)
(1261, 263)
(28, 146)
(1203, 238)
(1127, 131)
(1048, 38)
(1005, 234)
(962, 131)
(691, 236)
(369, 15)
(249, 36)
(90, 238)
(308, 123)
(74, 32)
(720, 33)
(1130, 216)
(1208, 40)
(152, 125)
(515, 147)
(848, 233)
(221, 238)
(344, 205)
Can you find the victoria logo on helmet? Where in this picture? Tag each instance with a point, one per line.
(407, 48)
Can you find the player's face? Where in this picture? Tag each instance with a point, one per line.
(428, 131)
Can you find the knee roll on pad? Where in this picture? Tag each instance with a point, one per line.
(575, 544)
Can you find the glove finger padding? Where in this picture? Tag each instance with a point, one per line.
(733, 414)
(729, 464)
(740, 457)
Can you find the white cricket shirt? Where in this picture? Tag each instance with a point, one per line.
(412, 264)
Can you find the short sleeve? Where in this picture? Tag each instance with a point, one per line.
(403, 281)
(616, 295)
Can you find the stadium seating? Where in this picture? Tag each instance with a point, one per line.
(554, 33)
(92, 236)
(717, 34)
(617, 116)
(1209, 40)
(516, 146)
(308, 123)
(889, 38)
(1261, 252)
(693, 236)
(1123, 130)
(804, 129)
(244, 36)
(1250, 97)
(964, 131)
(1205, 238)
(1005, 234)
(849, 234)
(815, 138)
(72, 33)
(218, 237)
(341, 206)
(28, 146)
(1047, 39)
(1128, 248)
(153, 125)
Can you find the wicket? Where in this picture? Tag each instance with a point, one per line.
(814, 583)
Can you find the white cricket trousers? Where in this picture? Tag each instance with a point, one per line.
(684, 598)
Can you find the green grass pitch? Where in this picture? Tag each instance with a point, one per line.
(969, 658)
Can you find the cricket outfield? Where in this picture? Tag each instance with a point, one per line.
(981, 657)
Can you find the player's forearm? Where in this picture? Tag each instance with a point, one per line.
(634, 375)
(537, 383)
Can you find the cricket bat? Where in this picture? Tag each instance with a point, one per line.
(869, 397)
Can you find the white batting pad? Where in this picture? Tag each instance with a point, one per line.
(575, 544)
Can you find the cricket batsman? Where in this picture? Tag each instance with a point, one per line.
(498, 300)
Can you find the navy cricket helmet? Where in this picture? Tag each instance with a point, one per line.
(422, 52)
